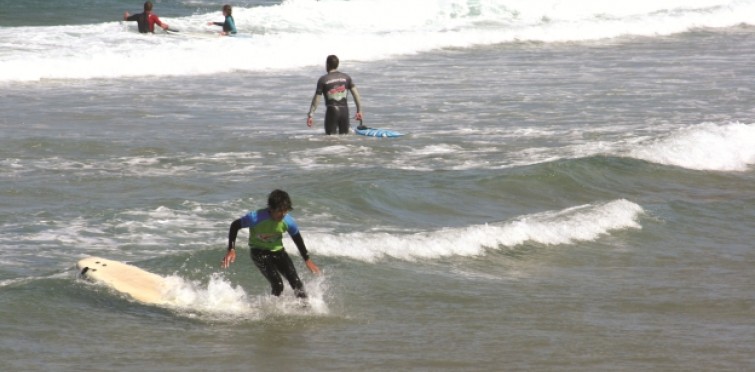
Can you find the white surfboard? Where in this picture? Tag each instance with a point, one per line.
(140, 284)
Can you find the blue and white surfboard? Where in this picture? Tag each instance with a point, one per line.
(374, 132)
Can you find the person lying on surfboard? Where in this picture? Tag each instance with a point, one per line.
(146, 20)
(229, 26)
(266, 228)
(333, 86)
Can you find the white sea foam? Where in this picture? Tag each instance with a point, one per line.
(141, 230)
(729, 147)
(163, 226)
(581, 223)
(143, 166)
(291, 35)
(219, 299)
(706, 146)
(432, 150)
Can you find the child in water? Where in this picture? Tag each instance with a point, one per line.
(229, 26)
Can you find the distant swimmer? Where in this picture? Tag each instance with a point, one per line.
(146, 20)
(229, 26)
(334, 86)
(266, 228)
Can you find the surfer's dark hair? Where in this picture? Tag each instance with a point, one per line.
(331, 62)
(279, 201)
(147, 6)
(227, 8)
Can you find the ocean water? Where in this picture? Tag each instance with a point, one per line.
(574, 190)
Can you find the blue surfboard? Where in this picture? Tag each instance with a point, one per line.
(374, 132)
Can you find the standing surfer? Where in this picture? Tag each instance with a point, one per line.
(334, 86)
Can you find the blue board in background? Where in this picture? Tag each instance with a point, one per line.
(374, 132)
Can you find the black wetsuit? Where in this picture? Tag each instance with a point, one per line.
(335, 87)
(274, 264)
(265, 241)
(145, 21)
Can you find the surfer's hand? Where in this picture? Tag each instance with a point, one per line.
(358, 116)
(229, 258)
(312, 267)
(309, 122)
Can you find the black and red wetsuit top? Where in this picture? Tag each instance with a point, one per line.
(146, 21)
(335, 86)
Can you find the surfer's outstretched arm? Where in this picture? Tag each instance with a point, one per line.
(299, 241)
(230, 255)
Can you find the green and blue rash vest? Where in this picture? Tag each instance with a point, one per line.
(267, 234)
(228, 26)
